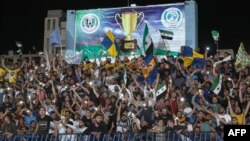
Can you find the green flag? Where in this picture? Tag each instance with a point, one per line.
(217, 84)
(215, 35)
(160, 89)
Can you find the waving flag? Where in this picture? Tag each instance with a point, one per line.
(192, 57)
(217, 83)
(160, 89)
(149, 71)
(20, 52)
(242, 58)
(55, 37)
(189, 52)
(125, 75)
(166, 35)
(147, 45)
(110, 44)
(215, 35)
(228, 58)
(20, 49)
(196, 62)
(18, 44)
(74, 58)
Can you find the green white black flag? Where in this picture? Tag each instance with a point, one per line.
(165, 34)
(160, 89)
(217, 83)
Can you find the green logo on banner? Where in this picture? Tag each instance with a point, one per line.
(90, 23)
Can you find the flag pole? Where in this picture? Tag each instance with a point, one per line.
(61, 54)
(165, 47)
(75, 39)
(217, 45)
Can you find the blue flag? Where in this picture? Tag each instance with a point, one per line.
(55, 37)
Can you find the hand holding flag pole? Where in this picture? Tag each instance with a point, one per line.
(166, 36)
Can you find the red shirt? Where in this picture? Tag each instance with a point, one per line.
(174, 105)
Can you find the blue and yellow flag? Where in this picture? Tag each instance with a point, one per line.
(192, 57)
(189, 52)
(110, 44)
(149, 71)
(196, 62)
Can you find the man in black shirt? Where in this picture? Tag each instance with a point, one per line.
(98, 128)
(43, 122)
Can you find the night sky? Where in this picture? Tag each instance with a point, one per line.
(23, 20)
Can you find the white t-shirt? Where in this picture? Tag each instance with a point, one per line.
(227, 117)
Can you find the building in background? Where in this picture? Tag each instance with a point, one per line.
(54, 18)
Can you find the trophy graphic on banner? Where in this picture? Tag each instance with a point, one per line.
(129, 25)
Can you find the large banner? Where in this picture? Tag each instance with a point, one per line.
(127, 24)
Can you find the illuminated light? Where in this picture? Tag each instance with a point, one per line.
(182, 99)
(21, 102)
(90, 83)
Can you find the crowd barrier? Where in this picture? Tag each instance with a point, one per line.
(119, 137)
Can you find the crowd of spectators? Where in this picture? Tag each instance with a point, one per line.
(95, 97)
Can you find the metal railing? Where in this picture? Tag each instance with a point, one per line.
(119, 137)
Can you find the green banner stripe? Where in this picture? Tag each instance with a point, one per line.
(90, 51)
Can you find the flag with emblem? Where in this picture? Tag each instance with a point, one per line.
(160, 89)
(242, 58)
(217, 84)
(110, 44)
